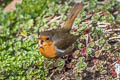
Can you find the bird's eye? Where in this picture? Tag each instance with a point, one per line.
(47, 38)
(42, 41)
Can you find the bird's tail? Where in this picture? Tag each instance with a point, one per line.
(73, 14)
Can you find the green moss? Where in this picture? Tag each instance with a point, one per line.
(19, 55)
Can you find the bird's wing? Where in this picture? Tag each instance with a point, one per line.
(64, 43)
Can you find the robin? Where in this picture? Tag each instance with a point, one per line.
(59, 42)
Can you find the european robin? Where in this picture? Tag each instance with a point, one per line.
(59, 42)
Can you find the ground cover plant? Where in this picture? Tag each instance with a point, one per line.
(97, 51)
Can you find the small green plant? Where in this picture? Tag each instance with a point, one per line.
(80, 66)
(118, 19)
(19, 55)
(117, 54)
(60, 64)
(107, 47)
(89, 50)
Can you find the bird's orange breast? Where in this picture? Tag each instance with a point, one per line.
(48, 50)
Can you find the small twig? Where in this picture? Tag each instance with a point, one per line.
(112, 30)
(102, 24)
(99, 2)
(62, 78)
(54, 20)
(88, 22)
(118, 37)
(49, 18)
(88, 17)
(52, 74)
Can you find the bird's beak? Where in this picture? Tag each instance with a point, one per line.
(39, 44)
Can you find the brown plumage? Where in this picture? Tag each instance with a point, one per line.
(71, 17)
(58, 42)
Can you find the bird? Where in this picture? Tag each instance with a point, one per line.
(59, 42)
